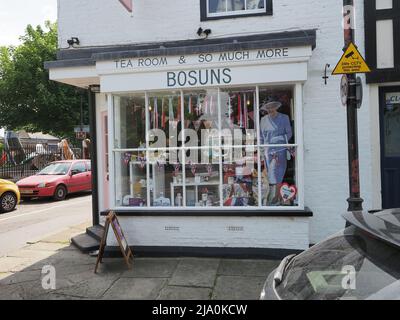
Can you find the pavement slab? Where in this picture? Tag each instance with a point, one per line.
(135, 289)
(184, 293)
(238, 288)
(261, 268)
(152, 268)
(193, 272)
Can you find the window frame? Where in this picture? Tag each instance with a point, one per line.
(372, 16)
(205, 16)
(298, 144)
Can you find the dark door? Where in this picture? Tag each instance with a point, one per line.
(390, 146)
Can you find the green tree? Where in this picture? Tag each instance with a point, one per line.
(28, 99)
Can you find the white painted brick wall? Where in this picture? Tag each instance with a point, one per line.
(105, 22)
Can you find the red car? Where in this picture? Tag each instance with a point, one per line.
(57, 180)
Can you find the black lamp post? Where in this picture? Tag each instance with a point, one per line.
(355, 201)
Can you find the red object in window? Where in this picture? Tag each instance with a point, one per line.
(127, 4)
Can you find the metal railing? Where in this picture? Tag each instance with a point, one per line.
(19, 163)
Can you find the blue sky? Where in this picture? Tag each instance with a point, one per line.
(15, 15)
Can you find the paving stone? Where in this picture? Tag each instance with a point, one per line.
(15, 264)
(238, 288)
(261, 268)
(20, 277)
(48, 246)
(184, 293)
(152, 268)
(34, 255)
(93, 288)
(135, 289)
(195, 273)
(5, 275)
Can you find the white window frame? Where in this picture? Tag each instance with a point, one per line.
(235, 13)
(298, 145)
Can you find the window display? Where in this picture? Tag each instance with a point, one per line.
(217, 148)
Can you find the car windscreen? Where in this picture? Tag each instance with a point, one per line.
(350, 265)
(60, 168)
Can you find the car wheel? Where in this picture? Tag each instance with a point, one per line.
(60, 193)
(8, 202)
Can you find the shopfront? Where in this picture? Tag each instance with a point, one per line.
(201, 147)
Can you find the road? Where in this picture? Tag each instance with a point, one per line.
(37, 219)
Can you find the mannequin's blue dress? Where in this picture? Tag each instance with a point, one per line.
(276, 130)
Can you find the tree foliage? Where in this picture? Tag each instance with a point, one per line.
(28, 99)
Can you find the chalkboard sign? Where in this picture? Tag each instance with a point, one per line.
(112, 221)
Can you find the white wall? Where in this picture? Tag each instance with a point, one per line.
(106, 22)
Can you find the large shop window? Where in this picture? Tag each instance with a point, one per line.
(214, 148)
(217, 9)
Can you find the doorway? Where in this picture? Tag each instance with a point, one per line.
(390, 146)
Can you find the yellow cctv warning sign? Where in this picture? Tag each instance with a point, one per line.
(351, 62)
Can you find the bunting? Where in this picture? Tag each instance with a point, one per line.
(127, 4)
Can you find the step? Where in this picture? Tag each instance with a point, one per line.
(85, 243)
(96, 232)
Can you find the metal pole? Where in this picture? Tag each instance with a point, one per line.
(93, 155)
(355, 201)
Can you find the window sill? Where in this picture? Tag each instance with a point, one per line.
(292, 213)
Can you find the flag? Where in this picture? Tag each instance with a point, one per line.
(240, 116)
(171, 110)
(163, 116)
(190, 105)
(155, 113)
(245, 112)
(179, 108)
(127, 4)
(198, 105)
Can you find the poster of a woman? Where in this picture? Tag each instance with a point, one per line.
(275, 130)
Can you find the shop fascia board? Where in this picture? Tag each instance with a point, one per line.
(75, 76)
(109, 67)
(243, 75)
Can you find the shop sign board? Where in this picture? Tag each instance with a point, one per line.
(112, 220)
(351, 62)
(208, 77)
(203, 60)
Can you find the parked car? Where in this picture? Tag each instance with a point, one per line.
(362, 262)
(57, 180)
(9, 196)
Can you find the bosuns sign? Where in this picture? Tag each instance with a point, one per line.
(195, 78)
